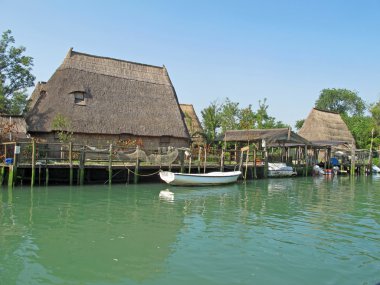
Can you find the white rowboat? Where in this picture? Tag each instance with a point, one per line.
(212, 178)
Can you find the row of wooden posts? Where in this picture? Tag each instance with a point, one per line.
(250, 149)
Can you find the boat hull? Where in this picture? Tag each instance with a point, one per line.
(280, 170)
(212, 178)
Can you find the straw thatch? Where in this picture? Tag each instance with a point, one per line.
(326, 128)
(281, 136)
(119, 97)
(12, 128)
(192, 123)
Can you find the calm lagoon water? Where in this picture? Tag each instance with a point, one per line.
(280, 231)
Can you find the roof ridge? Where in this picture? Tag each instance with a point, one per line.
(327, 111)
(72, 52)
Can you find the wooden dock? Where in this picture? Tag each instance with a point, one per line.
(32, 163)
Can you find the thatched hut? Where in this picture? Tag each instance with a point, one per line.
(326, 128)
(104, 100)
(193, 124)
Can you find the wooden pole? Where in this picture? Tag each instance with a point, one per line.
(306, 162)
(81, 166)
(370, 155)
(181, 155)
(222, 160)
(246, 163)
(2, 174)
(46, 173)
(32, 179)
(110, 166)
(199, 159)
(10, 176)
(352, 170)
(137, 166)
(71, 174)
(266, 165)
(205, 161)
(241, 160)
(254, 162)
(222, 156)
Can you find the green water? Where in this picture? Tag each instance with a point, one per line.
(281, 231)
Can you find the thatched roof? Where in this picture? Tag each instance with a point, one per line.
(192, 122)
(120, 97)
(325, 128)
(281, 136)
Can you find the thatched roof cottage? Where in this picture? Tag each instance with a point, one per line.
(193, 124)
(106, 100)
(326, 128)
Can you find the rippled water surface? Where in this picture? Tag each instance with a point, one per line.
(281, 231)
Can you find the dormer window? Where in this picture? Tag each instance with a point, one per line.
(79, 98)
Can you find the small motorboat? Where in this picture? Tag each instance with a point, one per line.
(280, 170)
(212, 178)
(375, 169)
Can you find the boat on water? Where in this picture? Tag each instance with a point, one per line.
(280, 170)
(212, 178)
(375, 169)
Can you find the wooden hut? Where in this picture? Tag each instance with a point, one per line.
(326, 128)
(290, 147)
(106, 100)
(272, 137)
(193, 124)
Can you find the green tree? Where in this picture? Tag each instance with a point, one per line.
(263, 120)
(375, 111)
(62, 125)
(341, 101)
(247, 118)
(299, 124)
(361, 129)
(211, 121)
(229, 115)
(15, 75)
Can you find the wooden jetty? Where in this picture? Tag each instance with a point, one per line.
(36, 163)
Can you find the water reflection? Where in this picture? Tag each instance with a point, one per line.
(138, 234)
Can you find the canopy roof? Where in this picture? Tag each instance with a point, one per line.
(281, 136)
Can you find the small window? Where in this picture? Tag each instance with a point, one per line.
(79, 98)
(164, 141)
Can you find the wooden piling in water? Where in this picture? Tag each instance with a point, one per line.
(199, 159)
(2, 174)
(254, 162)
(353, 166)
(137, 166)
(46, 174)
(266, 165)
(306, 164)
(32, 179)
(71, 172)
(110, 166)
(205, 161)
(81, 166)
(12, 174)
(181, 155)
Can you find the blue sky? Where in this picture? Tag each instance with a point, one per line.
(285, 51)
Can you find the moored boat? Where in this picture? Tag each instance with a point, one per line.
(280, 170)
(212, 178)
